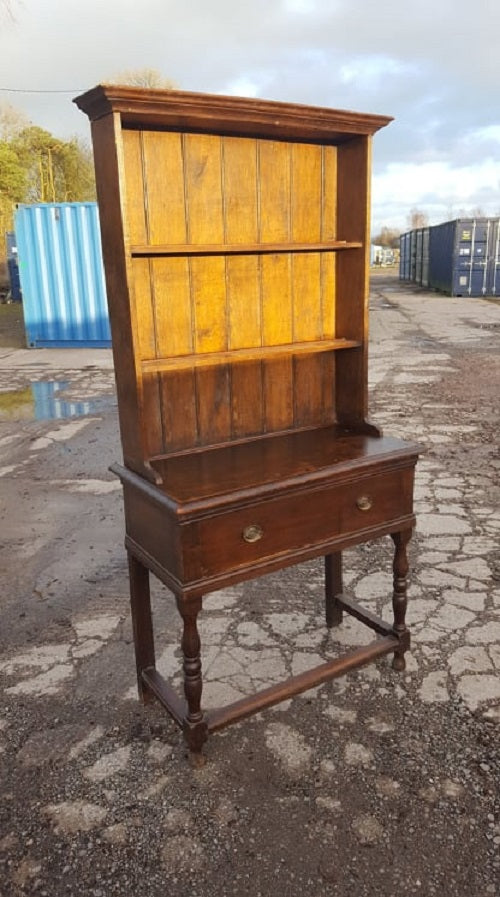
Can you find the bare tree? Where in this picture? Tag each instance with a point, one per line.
(12, 121)
(417, 218)
(388, 236)
(144, 77)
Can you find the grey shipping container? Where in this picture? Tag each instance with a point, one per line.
(418, 255)
(493, 277)
(404, 256)
(422, 256)
(13, 267)
(425, 256)
(464, 257)
(413, 255)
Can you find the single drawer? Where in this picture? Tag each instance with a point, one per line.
(269, 528)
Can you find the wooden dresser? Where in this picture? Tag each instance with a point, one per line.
(236, 238)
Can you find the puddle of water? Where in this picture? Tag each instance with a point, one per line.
(42, 401)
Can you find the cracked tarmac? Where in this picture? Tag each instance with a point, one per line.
(98, 798)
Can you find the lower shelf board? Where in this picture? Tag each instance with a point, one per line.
(225, 716)
(167, 696)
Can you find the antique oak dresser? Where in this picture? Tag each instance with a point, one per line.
(235, 236)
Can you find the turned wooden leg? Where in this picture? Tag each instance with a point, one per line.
(142, 623)
(195, 728)
(399, 596)
(333, 587)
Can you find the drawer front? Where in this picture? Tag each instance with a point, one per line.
(241, 538)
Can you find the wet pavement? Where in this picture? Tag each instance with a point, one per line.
(401, 763)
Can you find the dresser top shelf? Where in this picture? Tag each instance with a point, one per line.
(276, 461)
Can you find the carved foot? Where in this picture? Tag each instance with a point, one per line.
(195, 737)
(197, 759)
(398, 661)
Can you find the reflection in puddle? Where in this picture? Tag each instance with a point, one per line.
(42, 401)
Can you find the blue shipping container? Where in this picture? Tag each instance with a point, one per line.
(62, 275)
(464, 257)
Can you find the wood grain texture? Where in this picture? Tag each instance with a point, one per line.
(278, 394)
(202, 207)
(134, 186)
(170, 285)
(151, 408)
(244, 248)
(247, 399)
(142, 285)
(164, 201)
(163, 173)
(328, 232)
(275, 211)
(205, 223)
(179, 410)
(210, 359)
(241, 469)
(241, 226)
(305, 223)
(314, 389)
(353, 160)
(213, 404)
(110, 180)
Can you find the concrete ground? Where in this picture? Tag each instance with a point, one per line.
(377, 783)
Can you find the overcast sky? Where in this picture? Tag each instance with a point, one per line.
(432, 64)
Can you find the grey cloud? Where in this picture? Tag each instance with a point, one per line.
(433, 65)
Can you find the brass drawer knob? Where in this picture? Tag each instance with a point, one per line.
(364, 502)
(253, 533)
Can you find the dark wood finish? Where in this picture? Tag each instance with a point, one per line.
(333, 589)
(183, 111)
(235, 238)
(195, 727)
(166, 695)
(142, 623)
(399, 597)
(365, 616)
(352, 279)
(268, 697)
